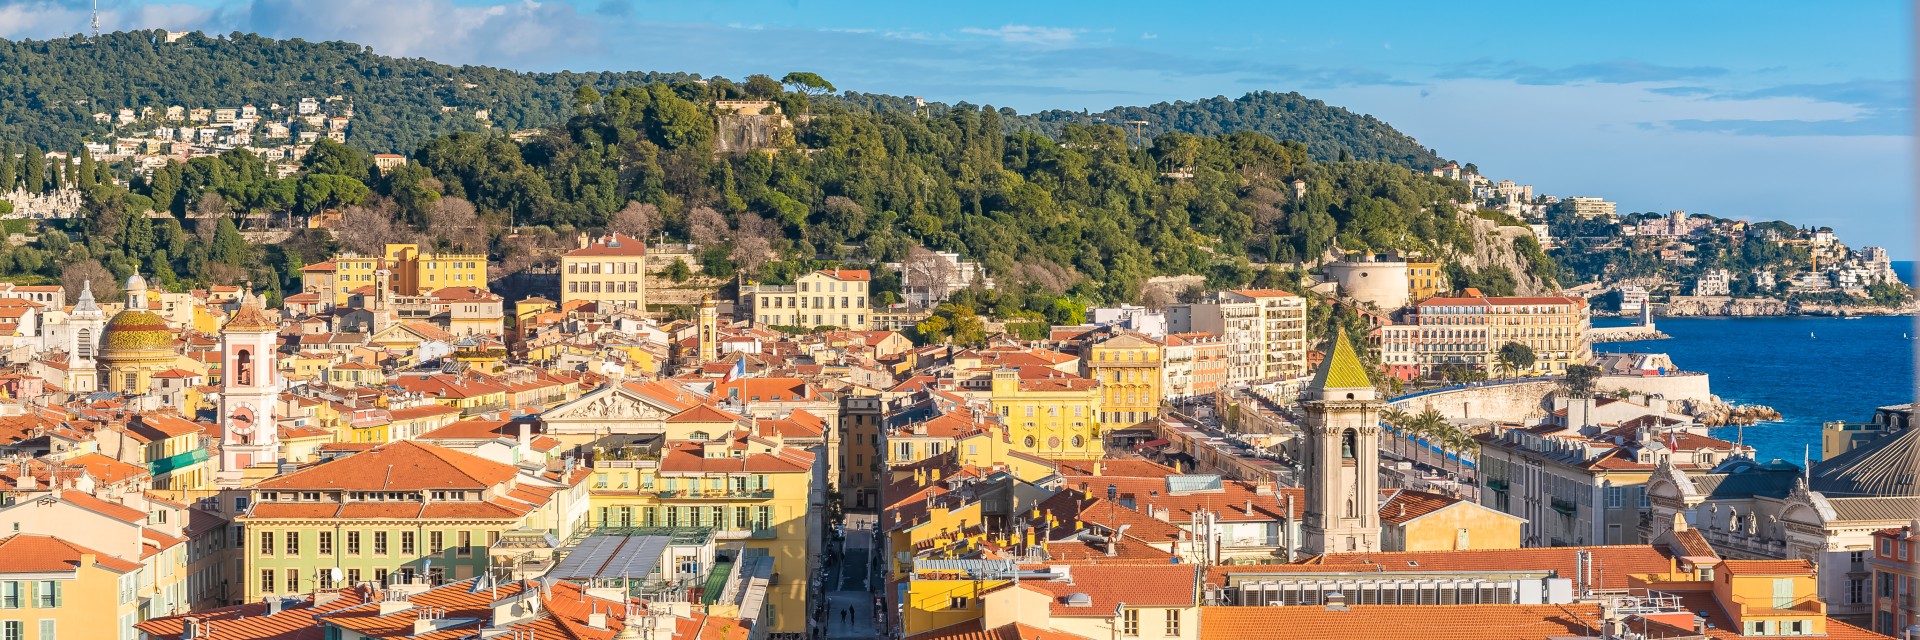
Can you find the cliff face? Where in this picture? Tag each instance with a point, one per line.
(1493, 248)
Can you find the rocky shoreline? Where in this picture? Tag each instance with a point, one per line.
(1721, 306)
(1717, 413)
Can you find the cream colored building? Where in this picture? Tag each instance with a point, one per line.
(611, 270)
(829, 297)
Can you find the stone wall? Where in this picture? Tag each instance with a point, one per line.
(1524, 402)
(1689, 386)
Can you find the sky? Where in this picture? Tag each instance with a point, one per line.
(1743, 109)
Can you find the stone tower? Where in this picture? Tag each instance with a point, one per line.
(709, 330)
(249, 387)
(1342, 456)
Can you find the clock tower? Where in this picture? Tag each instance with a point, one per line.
(249, 388)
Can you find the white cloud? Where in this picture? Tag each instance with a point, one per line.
(1029, 34)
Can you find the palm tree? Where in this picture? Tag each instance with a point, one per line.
(1398, 419)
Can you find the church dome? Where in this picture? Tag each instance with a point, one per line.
(134, 329)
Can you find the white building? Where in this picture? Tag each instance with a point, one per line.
(1714, 282)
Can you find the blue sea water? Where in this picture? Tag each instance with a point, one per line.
(1811, 370)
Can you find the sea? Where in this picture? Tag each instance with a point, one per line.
(1811, 370)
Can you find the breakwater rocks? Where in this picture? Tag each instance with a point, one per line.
(1715, 413)
(1624, 334)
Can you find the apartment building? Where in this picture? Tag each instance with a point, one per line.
(1129, 368)
(741, 485)
(829, 297)
(610, 270)
(412, 272)
(1265, 331)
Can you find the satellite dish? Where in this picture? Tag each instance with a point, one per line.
(336, 574)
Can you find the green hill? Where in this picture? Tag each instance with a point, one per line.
(49, 89)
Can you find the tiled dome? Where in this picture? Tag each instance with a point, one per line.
(136, 330)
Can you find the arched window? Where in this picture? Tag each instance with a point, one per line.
(1028, 442)
(243, 367)
(1347, 443)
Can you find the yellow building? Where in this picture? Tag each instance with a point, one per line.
(358, 513)
(1421, 521)
(173, 452)
(1128, 367)
(825, 298)
(1425, 280)
(611, 270)
(414, 273)
(1049, 413)
(354, 373)
(51, 588)
(743, 487)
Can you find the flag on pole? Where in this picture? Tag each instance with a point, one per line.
(738, 371)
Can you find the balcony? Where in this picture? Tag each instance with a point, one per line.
(177, 462)
(1563, 506)
(713, 494)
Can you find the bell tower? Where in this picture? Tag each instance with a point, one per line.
(709, 330)
(1342, 452)
(249, 388)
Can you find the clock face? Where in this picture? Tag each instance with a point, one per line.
(242, 419)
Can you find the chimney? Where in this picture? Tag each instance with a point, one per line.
(526, 435)
(1336, 601)
(273, 604)
(597, 620)
(1096, 468)
(189, 628)
(584, 240)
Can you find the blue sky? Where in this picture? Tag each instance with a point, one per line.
(1750, 109)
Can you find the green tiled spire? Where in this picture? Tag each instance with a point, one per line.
(1342, 368)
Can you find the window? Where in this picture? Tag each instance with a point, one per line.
(1614, 499)
(293, 543)
(436, 542)
(353, 543)
(466, 544)
(266, 581)
(763, 517)
(46, 595)
(957, 603)
(48, 630)
(406, 543)
(9, 595)
(266, 543)
(293, 581)
(379, 543)
(326, 543)
(1856, 591)
(1173, 622)
(353, 576)
(1130, 622)
(13, 630)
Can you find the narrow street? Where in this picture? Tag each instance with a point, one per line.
(850, 595)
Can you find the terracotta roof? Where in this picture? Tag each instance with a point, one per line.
(29, 553)
(705, 413)
(116, 511)
(1408, 504)
(1399, 622)
(1766, 567)
(1109, 585)
(847, 274)
(971, 630)
(106, 470)
(398, 466)
(611, 245)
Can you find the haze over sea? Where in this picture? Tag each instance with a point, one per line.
(1811, 370)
